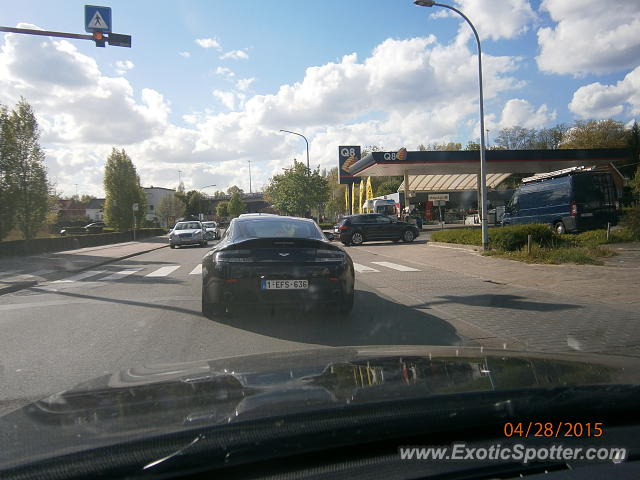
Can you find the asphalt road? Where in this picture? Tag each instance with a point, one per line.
(146, 310)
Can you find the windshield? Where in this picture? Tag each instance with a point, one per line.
(187, 226)
(213, 212)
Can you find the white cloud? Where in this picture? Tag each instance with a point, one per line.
(185, 54)
(494, 19)
(243, 84)
(519, 112)
(590, 36)
(83, 113)
(228, 99)
(209, 43)
(235, 55)
(225, 72)
(605, 101)
(123, 66)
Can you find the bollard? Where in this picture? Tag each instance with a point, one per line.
(529, 239)
(608, 230)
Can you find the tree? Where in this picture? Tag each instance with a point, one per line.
(222, 209)
(234, 189)
(170, 207)
(596, 134)
(193, 203)
(389, 186)
(7, 177)
(516, 138)
(31, 185)
(122, 189)
(298, 190)
(86, 198)
(219, 194)
(236, 205)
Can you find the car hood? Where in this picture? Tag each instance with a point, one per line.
(145, 401)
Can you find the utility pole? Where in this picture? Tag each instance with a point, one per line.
(179, 178)
(249, 176)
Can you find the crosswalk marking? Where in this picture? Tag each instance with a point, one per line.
(197, 270)
(120, 274)
(80, 276)
(163, 271)
(363, 268)
(395, 266)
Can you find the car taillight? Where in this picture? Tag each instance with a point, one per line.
(342, 227)
(574, 209)
(329, 256)
(233, 256)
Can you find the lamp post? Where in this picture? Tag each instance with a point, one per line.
(200, 190)
(305, 139)
(483, 163)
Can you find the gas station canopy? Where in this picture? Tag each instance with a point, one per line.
(434, 171)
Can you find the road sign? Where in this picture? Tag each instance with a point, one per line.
(347, 156)
(97, 19)
(435, 197)
(119, 40)
(135, 207)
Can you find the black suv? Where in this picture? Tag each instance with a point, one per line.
(355, 229)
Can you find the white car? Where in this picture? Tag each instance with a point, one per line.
(212, 230)
(187, 233)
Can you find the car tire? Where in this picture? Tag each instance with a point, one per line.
(559, 228)
(171, 245)
(346, 305)
(356, 238)
(396, 240)
(203, 244)
(408, 236)
(211, 310)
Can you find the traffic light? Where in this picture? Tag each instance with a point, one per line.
(98, 37)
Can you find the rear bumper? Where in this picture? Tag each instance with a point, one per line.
(185, 241)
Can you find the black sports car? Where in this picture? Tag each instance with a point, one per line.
(276, 260)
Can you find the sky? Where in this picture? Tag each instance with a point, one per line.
(207, 85)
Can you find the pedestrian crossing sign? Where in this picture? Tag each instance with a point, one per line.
(97, 19)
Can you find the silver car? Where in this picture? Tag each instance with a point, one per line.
(187, 233)
(212, 231)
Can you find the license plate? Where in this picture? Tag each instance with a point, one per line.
(285, 284)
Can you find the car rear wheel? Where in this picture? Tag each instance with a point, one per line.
(559, 228)
(203, 244)
(408, 236)
(346, 305)
(171, 245)
(209, 309)
(357, 238)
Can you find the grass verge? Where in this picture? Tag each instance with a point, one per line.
(586, 255)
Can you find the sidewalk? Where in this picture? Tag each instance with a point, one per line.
(614, 283)
(22, 272)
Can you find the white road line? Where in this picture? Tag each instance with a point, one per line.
(197, 270)
(40, 272)
(163, 271)
(80, 276)
(363, 268)
(395, 266)
(121, 274)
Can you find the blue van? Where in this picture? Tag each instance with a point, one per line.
(573, 201)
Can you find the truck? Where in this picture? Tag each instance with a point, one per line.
(388, 205)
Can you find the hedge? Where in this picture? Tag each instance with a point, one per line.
(70, 242)
(510, 238)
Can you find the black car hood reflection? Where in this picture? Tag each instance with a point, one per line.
(145, 401)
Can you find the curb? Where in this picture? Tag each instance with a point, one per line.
(14, 287)
(459, 246)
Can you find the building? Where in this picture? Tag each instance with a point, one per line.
(95, 209)
(71, 208)
(154, 197)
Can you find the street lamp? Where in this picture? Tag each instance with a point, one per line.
(483, 163)
(305, 139)
(200, 190)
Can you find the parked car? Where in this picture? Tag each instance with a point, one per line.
(276, 260)
(573, 201)
(356, 229)
(187, 233)
(95, 227)
(212, 231)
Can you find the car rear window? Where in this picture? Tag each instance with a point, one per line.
(281, 228)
